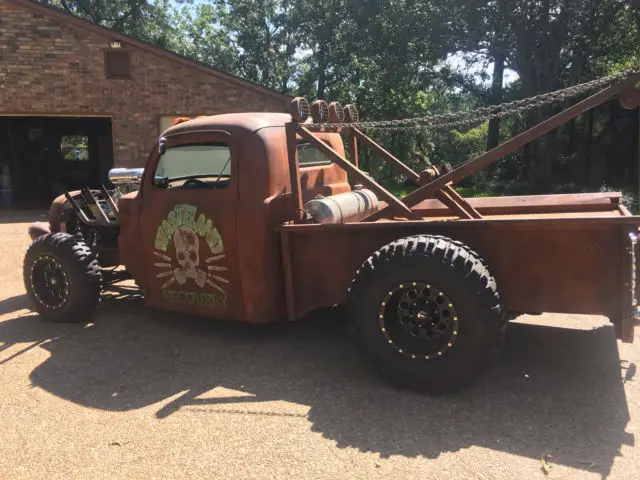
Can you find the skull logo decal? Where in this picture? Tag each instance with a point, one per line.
(187, 253)
(181, 229)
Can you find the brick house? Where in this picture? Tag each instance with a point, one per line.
(77, 99)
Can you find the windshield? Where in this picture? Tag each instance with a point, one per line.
(193, 161)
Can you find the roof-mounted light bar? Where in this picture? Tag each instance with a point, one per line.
(321, 112)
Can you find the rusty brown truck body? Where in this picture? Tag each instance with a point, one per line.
(260, 217)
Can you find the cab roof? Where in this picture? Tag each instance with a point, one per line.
(248, 121)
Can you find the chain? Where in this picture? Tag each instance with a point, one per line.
(463, 118)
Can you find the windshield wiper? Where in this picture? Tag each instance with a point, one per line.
(223, 168)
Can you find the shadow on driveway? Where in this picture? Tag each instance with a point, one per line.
(16, 215)
(556, 390)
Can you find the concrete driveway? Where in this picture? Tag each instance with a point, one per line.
(143, 394)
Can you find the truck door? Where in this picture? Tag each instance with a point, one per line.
(189, 226)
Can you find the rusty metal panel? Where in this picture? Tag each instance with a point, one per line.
(186, 248)
(260, 260)
(259, 248)
(541, 265)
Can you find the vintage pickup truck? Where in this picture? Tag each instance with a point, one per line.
(259, 217)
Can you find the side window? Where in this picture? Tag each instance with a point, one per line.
(310, 156)
(194, 166)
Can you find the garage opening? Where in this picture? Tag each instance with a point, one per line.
(41, 156)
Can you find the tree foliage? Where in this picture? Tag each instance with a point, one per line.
(394, 59)
(142, 19)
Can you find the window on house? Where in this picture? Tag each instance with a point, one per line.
(117, 64)
(74, 148)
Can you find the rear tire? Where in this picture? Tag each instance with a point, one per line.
(426, 312)
(63, 278)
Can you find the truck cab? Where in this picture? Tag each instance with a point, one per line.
(200, 234)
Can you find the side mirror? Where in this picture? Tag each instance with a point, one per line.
(162, 145)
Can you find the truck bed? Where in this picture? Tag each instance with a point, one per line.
(556, 253)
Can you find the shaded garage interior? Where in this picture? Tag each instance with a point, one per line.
(41, 156)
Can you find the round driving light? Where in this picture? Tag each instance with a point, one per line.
(336, 112)
(299, 109)
(351, 114)
(320, 111)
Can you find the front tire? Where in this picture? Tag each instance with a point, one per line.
(426, 312)
(63, 278)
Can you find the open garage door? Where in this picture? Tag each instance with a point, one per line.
(41, 156)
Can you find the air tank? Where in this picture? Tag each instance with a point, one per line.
(343, 207)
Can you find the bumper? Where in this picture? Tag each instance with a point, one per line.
(38, 229)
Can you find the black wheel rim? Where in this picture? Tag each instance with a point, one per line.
(49, 282)
(418, 320)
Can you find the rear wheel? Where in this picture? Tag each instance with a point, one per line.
(63, 278)
(426, 311)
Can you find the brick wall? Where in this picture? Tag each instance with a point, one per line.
(47, 67)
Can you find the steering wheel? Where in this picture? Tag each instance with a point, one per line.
(193, 182)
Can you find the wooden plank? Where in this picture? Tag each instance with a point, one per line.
(394, 204)
(527, 204)
(624, 210)
(482, 161)
(439, 209)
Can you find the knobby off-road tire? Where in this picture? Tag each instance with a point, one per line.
(453, 323)
(63, 278)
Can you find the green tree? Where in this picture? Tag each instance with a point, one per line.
(139, 18)
(253, 39)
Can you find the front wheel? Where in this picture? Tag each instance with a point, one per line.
(426, 312)
(62, 277)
